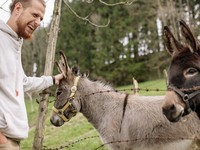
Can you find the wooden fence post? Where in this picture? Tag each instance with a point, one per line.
(43, 105)
(135, 87)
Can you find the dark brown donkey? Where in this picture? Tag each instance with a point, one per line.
(183, 93)
(126, 122)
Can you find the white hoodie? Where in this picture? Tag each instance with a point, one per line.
(13, 84)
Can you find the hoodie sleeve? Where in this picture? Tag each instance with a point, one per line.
(36, 84)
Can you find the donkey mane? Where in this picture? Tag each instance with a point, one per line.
(97, 86)
(103, 84)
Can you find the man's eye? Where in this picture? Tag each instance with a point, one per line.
(35, 15)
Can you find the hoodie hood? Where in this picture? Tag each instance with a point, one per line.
(7, 29)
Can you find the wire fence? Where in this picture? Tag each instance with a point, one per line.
(77, 143)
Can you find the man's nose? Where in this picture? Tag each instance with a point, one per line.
(37, 22)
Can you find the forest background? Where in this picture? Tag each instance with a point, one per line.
(131, 45)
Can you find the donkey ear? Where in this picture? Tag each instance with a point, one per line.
(62, 65)
(188, 36)
(170, 42)
(75, 70)
(86, 74)
(59, 67)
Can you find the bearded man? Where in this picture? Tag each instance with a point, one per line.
(26, 16)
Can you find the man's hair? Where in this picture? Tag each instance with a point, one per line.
(25, 3)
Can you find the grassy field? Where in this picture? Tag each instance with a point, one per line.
(78, 133)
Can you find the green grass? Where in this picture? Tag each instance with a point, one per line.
(152, 86)
(78, 133)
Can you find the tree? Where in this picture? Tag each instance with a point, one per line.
(39, 131)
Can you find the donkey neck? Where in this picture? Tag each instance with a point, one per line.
(97, 103)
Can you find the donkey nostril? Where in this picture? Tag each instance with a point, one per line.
(168, 109)
(58, 93)
(55, 122)
(51, 120)
(172, 107)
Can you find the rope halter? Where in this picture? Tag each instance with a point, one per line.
(60, 112)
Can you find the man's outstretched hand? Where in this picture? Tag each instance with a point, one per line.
(57, 78)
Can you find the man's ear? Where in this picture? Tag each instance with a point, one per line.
(18, 8)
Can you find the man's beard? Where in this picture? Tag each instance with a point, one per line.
(22, 30)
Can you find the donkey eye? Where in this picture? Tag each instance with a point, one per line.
(191, 71)
(58, 93)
